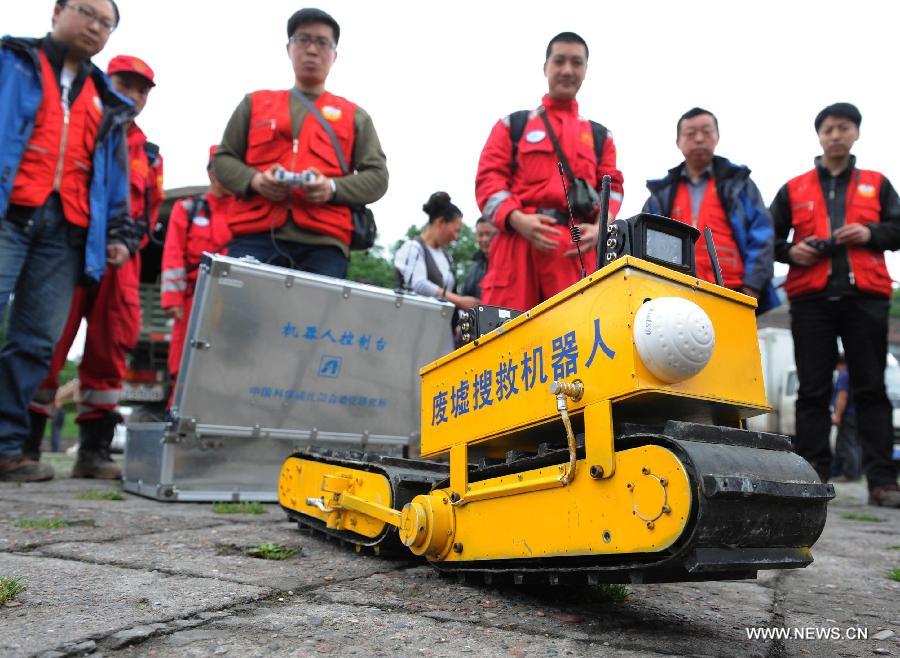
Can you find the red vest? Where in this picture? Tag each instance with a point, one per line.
(712, 215)
(809, 218)
(146, 181)
(270, 141)
(60, 153)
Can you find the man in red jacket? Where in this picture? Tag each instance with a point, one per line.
(112, 308)
(197, 224)
(518, 186)
(843, 220)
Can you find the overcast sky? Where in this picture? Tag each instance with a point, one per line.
(435, 76)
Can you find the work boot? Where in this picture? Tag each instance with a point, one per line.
(94, 460)
(21, 469)
(32, 447)
(886, 496)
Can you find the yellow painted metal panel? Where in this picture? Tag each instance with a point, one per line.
(586, 333)
(622, 514)
(303, 478)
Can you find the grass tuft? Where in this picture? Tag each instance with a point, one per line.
(864, 517)
(271, 552)
(9, 588)
(42, 523)
(102, 494)
(239, 508)
(615, 593)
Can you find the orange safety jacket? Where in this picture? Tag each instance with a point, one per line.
(146, 180)
(712, 215)
(270, 141)
(59, 154)
(196, 225)
(809, 218)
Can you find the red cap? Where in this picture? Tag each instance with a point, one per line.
(129, 64)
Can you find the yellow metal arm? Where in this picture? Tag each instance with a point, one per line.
(367, 507)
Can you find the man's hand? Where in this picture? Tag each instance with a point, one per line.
(853, 234)
(537, 229)
(836, 420)
(319, 191)
(116, 255)
(589, 235)
(174, 312)
(266, 185)
(803, 254)
(750, 292)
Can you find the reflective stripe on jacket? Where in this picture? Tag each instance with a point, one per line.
(196, 225)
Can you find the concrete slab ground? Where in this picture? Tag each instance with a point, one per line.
(135, 577)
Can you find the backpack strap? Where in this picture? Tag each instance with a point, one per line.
(431, 267)
(600, 133)
(152, 151)
(517, 121)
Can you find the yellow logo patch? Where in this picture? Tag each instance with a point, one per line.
(866, 190)
(331, 113)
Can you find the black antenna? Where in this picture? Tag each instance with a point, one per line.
(713, 256)
(604, 221)
(574, 230)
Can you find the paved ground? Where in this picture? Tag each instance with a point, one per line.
(135, 577)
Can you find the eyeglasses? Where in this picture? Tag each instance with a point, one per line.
(303, 40)
(91, 16)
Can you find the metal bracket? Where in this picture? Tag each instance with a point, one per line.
(185, 426)
(220, 269)
(200, 344)
(345, 292)
(289, 281)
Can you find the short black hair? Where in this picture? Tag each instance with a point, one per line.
(309, 15)
(690, 114)
(483, 220)
(567, 37)
(439, 206)
(847, 111)
(62, 3)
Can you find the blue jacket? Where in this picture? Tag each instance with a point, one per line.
(20, 97)
(747, 214)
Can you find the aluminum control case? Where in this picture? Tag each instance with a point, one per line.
(275, 360)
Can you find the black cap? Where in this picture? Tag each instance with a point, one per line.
(309, 15)
(847, 111)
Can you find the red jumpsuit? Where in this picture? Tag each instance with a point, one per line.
(519, 276)
(112, 308)
(196, 225)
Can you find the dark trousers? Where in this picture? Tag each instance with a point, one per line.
(847, 452)
(40, 266)
(318, 259)
(861, 323)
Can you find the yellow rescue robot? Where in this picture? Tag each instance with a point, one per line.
(596, 438)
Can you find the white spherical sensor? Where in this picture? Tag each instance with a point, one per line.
(674, 338)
